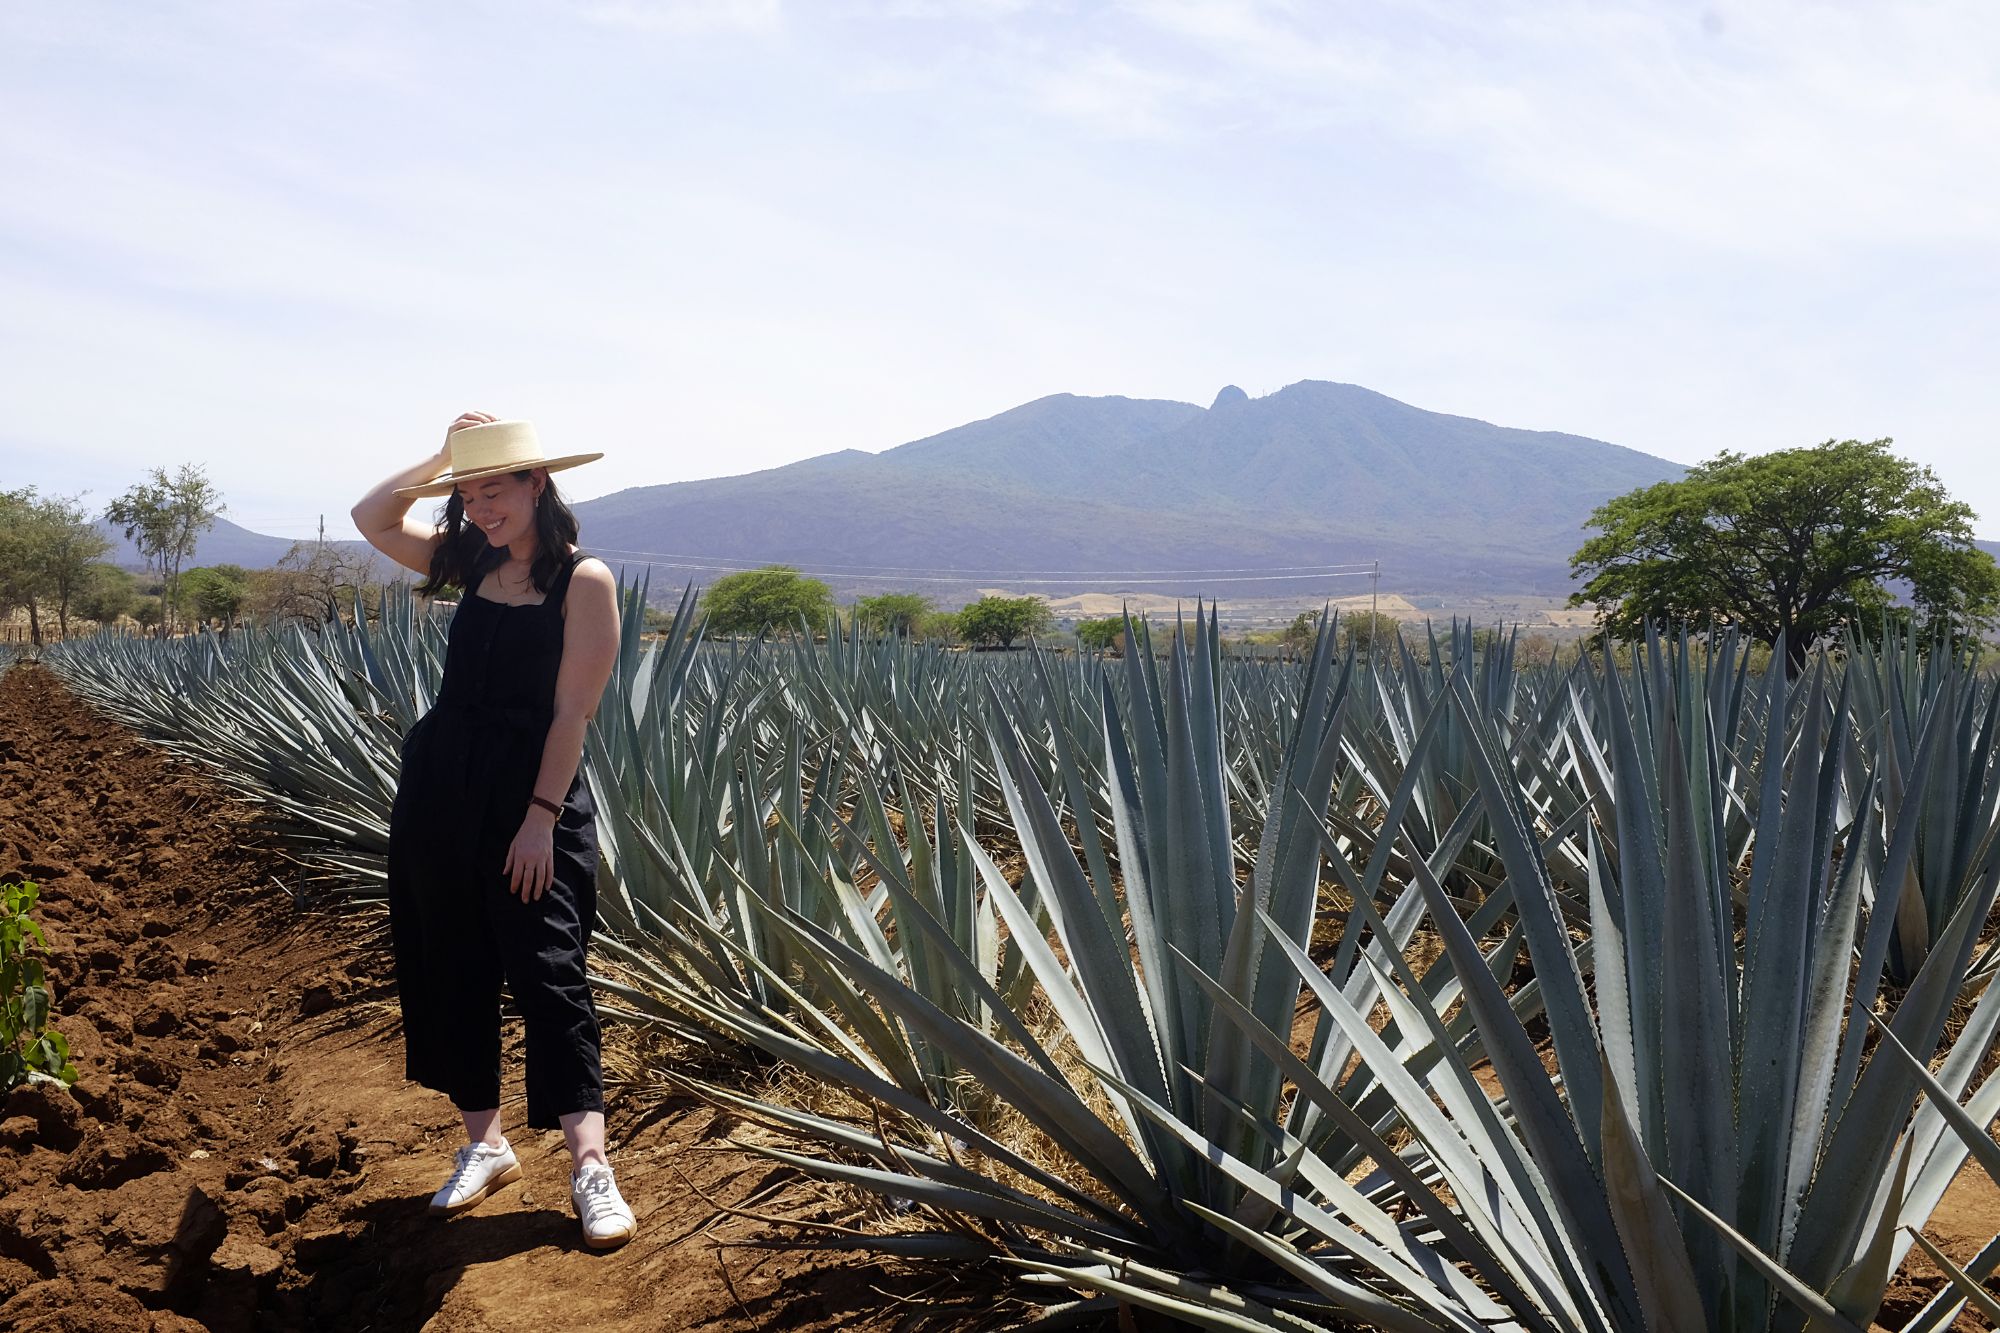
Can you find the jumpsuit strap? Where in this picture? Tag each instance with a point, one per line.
(561, 588)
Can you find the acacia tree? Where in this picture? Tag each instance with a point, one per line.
(1001, 620)
(215, 592)
(1102, 634)
(104, 593)
(1791, 546)
(74, 545)
(164, 518)
(1365, 631)
(22, 556)
(312, 582)
(891, 612)
(46, 546)
(756, 601)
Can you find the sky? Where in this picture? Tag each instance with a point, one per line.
(291, 240)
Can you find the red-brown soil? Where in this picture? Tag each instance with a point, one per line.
(241, 1150)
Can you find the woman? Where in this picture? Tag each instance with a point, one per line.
(492, 841)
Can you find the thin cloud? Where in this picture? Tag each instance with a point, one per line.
(686, 17)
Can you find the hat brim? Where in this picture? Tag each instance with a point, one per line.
(444, 485)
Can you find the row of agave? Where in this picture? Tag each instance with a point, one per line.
(1724, 886)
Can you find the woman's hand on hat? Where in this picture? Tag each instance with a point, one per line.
(464, 419)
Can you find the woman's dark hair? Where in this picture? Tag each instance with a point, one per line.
(464, 556)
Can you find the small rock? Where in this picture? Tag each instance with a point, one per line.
(156, 961)
(110, 1155)
(266, 1201)
(316, 1150)
(242, 1256)
(158, 1019)
(231, 1034)
(97, 1094)
(314, 1248)
(56, 1116)
(157, 1069)
(160, 1232)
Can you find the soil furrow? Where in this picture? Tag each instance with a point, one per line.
(241, 1150)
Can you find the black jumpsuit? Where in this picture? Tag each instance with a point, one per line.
(469, 767)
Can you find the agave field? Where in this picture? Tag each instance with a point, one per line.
(1415, 994)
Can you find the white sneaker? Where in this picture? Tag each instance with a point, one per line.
(607, 1219)
(479, 1169)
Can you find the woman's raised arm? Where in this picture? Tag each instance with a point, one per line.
(383, 516)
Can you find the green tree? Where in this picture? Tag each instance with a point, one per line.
(757, 601)
(1101, 635)
(1791, 546)
(937, 627)
(105, 593)
(891, 612)
(214, 592)
(46, 544)
(1001, 620)
(1364, 631)
(23, 557)
(164, 518)
(1300, 634)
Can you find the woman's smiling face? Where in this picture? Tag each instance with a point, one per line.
(502, 507)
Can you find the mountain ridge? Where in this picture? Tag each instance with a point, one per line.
(1099, 488)
(1317, 472)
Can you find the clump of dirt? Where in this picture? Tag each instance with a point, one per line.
(241, 1151)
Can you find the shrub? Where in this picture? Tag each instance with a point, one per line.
(1103, 634)
(29, 1048)
(1001, 620)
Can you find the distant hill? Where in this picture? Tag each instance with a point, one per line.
(1108, 488)
(227, 543)
(1069, 496)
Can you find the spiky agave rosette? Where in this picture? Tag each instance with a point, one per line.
(1585, 1025)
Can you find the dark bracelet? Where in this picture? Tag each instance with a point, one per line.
(547, 805)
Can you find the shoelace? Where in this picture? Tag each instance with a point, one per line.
(463, 1167)
(598, 1191)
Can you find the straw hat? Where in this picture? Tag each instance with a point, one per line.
(488, 449)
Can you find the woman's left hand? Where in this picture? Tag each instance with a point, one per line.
(531, 858)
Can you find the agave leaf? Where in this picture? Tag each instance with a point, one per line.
(1546, 1125)
(1857, 1292)
(1661, 1273)
(1202, 1304)
(1971, 1290)
(1504, 1264)
(1378, 1310)
(1819, 1314)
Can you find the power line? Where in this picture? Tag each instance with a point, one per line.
(1116, 583)
(908, 573)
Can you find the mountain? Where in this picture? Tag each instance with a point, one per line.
(1066, 495)
(1100, 489)
(227, 543)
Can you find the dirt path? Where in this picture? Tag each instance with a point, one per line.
(241, 1150)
